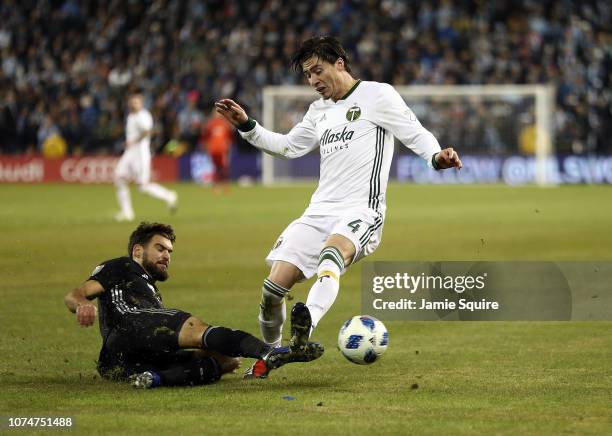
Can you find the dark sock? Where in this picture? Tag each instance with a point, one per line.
(234, 343)
(195, 372)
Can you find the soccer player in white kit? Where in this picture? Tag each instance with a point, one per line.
(135, 163)
(353, 125)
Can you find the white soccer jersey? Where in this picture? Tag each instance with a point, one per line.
(135, 163)
(355, 139)
(138, 123)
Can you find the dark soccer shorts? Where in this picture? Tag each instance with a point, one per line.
(148, 335)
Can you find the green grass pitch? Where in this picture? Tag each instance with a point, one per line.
(436, 378)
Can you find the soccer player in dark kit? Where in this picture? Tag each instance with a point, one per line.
(156, 346)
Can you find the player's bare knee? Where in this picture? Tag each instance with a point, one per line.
(191, 333)
(344, 245)
(285, 274)
(282, 280)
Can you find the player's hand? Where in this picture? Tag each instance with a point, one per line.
(86, 314)
(231, 111)
(230, 365)
(227, 364)
(448, 158)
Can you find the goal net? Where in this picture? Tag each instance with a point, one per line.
(503, 133)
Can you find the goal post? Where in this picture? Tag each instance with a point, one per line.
(485, 123)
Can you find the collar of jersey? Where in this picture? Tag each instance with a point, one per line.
(142, 270)
(350, 91)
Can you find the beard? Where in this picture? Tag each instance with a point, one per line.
(155, 270)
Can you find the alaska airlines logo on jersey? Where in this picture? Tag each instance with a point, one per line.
(330, 137)
(353, 113)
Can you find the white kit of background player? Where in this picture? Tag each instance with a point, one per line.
(135, 163)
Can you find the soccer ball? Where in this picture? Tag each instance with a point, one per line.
(363, 339)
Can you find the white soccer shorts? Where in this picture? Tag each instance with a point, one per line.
(134, 164)
(302, 241)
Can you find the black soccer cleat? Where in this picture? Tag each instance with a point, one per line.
(310, 351)
(301, 323)
(280, 356)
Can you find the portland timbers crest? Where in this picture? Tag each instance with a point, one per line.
(353, 113)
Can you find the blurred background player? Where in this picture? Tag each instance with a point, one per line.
(151, 344)
(135, 163)
(217, 137)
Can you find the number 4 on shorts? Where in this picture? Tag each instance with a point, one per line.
(354, 225)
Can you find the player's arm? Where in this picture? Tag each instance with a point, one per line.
(144, 134)
(394, 115)
(79, 301)
(300, 140)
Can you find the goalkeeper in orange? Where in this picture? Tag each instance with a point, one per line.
(217, 137)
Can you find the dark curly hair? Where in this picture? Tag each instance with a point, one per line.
(326, 48)
(145, 231)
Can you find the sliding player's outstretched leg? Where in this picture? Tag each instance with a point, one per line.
(300, 349)
(283, 276)
(280, 356)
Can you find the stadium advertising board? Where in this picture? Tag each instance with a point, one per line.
(512, 170)
(482, 169)
(86, 170)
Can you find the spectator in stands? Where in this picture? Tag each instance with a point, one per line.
(52, 52)
(190, 120)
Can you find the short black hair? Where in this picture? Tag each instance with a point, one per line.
(145, 231)
(326, 48)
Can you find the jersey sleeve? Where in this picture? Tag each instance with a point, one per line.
(300, 140)
(394, 115)
(105, 274)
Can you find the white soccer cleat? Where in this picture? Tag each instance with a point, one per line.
(173, 203)
(122, 217)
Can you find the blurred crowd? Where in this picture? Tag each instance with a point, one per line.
(67, 66)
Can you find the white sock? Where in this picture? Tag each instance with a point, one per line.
(124, 199)
(159, 192)
(272, 312)
(325, 289)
